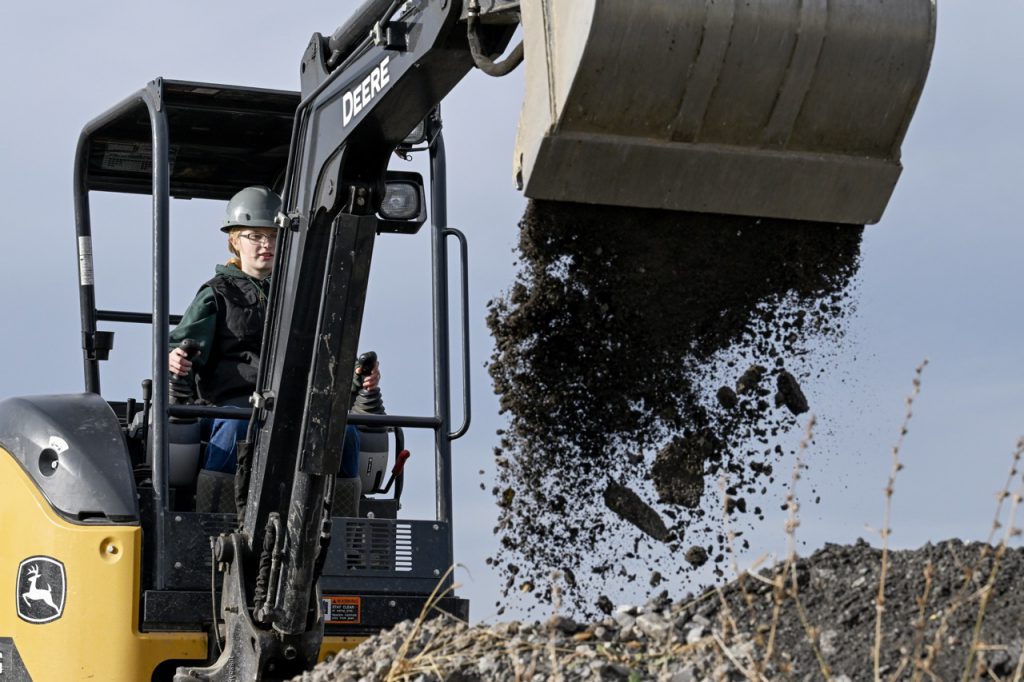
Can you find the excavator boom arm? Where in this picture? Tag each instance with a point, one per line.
(360, 99)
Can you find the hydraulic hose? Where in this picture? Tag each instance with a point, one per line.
(482, 61)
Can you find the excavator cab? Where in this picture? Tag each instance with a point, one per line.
(117, 477)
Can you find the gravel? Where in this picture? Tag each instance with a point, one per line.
(751, 628)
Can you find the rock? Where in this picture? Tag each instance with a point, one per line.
(678, 469)
(564, 624)
(643, 643)
(750, 380)
(700, 619)
(486, 664)
(790, 394)
(727, 397)
(624, 620)
(828, 641)
(653, 625)
(687, 674)
(695, 634)
(696, 556)
(630, 507)
(734, 504)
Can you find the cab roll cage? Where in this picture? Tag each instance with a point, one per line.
(185, 139)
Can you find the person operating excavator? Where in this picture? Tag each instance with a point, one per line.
(226, 320)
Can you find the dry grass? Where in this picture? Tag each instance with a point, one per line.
(436, 657)
(897, 466)
(922, 664)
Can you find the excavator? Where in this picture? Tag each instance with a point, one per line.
(789, 109)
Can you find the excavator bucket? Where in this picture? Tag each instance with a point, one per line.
(777, 108)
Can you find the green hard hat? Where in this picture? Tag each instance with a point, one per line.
(255, 206)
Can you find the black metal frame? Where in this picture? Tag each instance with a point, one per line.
(336, 169)
(166, 544)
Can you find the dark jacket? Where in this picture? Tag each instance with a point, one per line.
(226, 318)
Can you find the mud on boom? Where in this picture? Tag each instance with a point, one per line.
(784, 108)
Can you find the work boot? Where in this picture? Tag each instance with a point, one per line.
(215, 492)
(347, 493)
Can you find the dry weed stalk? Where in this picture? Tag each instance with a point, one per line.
(1010, 531)
(789, 569)
(809, 630)
(556, 603)
(959, 600)
(750, 674)
(1004, 492)
(897, 466)
(730, 544)
(741, 576)
(1019, 672)
(400, 664)
(966, 592)
(920, 625)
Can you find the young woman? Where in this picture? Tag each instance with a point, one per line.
(226, 319)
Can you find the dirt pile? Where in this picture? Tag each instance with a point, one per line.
(638, 355)
(811, 619)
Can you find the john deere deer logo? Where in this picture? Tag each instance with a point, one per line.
(41, 589)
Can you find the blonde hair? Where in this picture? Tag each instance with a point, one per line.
(236, 259)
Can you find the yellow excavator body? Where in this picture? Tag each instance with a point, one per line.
(78, 620)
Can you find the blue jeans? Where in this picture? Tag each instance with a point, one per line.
(222, 446)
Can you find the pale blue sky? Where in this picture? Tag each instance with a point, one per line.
(940, 276)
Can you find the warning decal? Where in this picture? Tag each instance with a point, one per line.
(341, 610)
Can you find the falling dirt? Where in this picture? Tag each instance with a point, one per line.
(681, 337)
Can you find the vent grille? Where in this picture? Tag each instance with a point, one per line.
(378, 546)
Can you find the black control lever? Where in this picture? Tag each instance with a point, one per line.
(147, 402)
(180, 389)
(365, 363)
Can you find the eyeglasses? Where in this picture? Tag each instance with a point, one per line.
(261, 239)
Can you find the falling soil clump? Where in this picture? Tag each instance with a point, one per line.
(632, 508)
(952, 611)
(678, 470)
(696, 556)
(727, 397)
(790, 394)
(751, 379)
(620, 328)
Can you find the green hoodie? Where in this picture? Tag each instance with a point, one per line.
(200, 319)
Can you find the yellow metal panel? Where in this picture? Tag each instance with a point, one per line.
(97, 637)
(332, 645)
